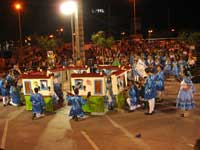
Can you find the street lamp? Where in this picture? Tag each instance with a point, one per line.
(70, 8)
(18, 7)
(149, 34)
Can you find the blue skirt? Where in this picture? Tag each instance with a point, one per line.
(185, 100)
(160, 85)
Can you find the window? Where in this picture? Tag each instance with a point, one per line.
(43, 85)
(79, 84)
(98, 87)
(27, 85)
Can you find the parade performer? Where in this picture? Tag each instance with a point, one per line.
(109, 98)
(38, 104)
(15, 95)
(5, 92)
(58, 90)
(167, 68)
(76, 103)
(150, 90)
(133, 97)
(1, 84)
(175, 69)
(185, 100)
(159, 83)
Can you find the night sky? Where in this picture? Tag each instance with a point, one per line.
(43, 16)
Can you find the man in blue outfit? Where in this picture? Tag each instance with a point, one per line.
(76, 102)
(133, 97)
(38, 104)
(150, 91)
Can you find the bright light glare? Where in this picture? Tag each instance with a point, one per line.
(18, 6)
(68, 7)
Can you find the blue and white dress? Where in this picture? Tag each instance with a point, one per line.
(37, 103)
(167, 68)
(185, 100)
(133, 95)
(150, 91)
(15, 95)
(76, 105)
(1, 84)
(175, 69)
(109, 98)
(160, 81)
(4, 89)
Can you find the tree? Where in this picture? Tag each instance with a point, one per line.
(100, 40)
(191, 38)
(46, 43)
(194, 38)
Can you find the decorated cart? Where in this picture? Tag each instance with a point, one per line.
(45, 85)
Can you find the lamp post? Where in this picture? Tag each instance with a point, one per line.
(18, 8)
(135, 26)
(70, 8)
(149, 34)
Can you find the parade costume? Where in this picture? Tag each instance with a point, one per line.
(38, 104)
(5, 92)
(1, 84)
(175, 69)
(109, 98)
(185, 99)
(15, 96)
(133, 97)
(150, 92)
(58, 91)
(167, 68)
(76, 103)
(160, 81)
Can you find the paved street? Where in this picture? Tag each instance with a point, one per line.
(164, 130)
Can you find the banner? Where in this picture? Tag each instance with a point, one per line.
(140, 68)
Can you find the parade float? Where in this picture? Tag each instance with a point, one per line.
(45, 85)
(96, 85)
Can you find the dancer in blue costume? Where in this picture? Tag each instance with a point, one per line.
(109, 98)
(133, 97)
(167, 68)
(38, 105)
(185, 99)
(150, 90)
(175, 69)
(15, 95)
(5, 92)
(76, 103)
(160, 86)
(1, 84)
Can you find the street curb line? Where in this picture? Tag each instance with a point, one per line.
(138, 142)
(94, 146)
(5, 131)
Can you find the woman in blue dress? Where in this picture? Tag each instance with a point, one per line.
(15, 95)
(38, 104)
(5, 92)
(150, 90)
(185, 100)
(160, 86)
(76, 103)
(167, 68)
(175, 69)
